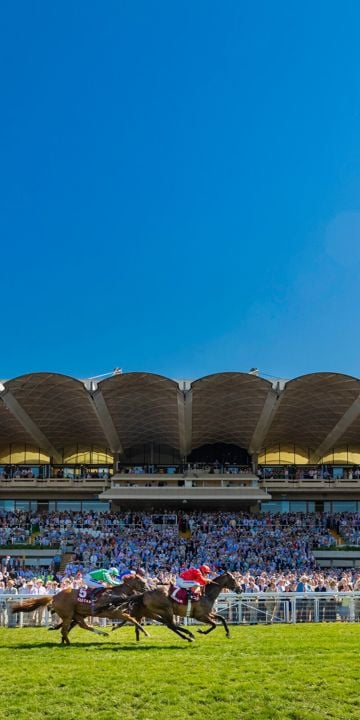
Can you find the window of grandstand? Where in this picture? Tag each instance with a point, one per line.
(221, 453)
(342, 506)
(78, 505)
(54, 505)
(285, 506)
(24, 471)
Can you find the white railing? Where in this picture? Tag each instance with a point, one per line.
(245, 609)
(294, 607)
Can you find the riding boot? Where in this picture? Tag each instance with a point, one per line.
(96, 593)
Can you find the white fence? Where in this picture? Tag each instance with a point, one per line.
(245, 609)
(271, 608)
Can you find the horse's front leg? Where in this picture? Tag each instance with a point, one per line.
(137, 633)
(118, 625)
(223, 621)
(81, 622)
(208, 620)
(138, 627)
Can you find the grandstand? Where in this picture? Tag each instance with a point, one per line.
(140, 439)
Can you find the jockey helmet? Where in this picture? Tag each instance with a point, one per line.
(113, 571)
(205, 569)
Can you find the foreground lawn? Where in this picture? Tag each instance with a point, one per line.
(303, 672)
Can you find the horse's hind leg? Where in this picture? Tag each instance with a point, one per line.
(56, 627)
(186, 631)
(66, 626)
(60, 624)
(182, 632)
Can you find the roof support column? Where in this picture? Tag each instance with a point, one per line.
(107, 423)
(188, 420)
(181, 421)
(30, 426)
(337, 432)
(263, 425)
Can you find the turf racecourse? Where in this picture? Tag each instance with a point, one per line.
(300, 672)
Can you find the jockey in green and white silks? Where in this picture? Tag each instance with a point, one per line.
(102, 578)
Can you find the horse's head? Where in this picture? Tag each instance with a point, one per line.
(228, 581)
(135, 583)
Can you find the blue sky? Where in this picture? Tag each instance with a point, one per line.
(180, 187)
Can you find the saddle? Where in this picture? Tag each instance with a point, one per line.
(182, 596)
(90, 595)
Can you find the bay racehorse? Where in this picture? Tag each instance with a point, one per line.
(159, 605)
(67, 606)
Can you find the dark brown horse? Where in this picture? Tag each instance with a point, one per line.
(158, 605)
(72, 612)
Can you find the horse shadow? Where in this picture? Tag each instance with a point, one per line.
(99, 646)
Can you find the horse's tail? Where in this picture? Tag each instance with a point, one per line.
(31, 604)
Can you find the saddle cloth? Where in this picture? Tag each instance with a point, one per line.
(180, 595)
(89, 595)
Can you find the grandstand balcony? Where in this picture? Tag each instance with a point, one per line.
(192, 487)
(308, 486)
(52, 488)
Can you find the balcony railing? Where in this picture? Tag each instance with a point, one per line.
(310, 484)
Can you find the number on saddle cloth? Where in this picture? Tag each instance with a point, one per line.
(88, 595)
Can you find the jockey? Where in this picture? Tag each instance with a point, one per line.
(102, 578)
(193, 578)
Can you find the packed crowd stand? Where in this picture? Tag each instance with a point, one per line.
(269, 553)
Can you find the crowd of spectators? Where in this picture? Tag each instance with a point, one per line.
(267, 553)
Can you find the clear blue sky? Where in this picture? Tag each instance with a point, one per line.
(180, 186)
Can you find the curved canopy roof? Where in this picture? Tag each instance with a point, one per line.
(311, 407)
(11, 430)
(59, 406)
(226, 408)
(143, 408)
(317, 411)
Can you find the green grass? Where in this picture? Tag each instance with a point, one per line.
(305, 672)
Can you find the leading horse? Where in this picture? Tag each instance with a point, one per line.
(72, 611)
(157, 605)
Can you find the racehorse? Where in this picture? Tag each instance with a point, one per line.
(72, 612)
(157, 605)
